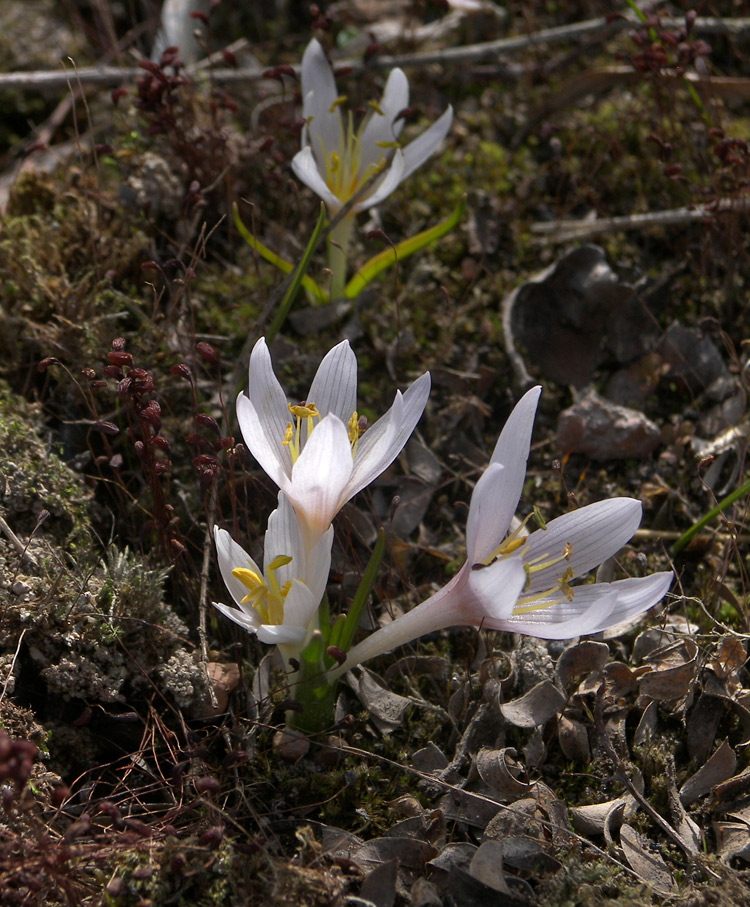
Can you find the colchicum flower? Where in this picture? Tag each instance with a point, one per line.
(280, 602)
(315, 451)
(524, 583)
(336, 160)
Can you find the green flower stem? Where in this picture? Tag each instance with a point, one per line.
(313, 692)
(338, 255)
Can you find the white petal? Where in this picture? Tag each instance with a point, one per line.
(496, 589)
(306, 171)
(272, 634)
(591, 607)
(381, 443)
(495, 498)
(417, 152)
(334, 388)
(594, 608)
(321, 474)
(269, 402)
(261, 446)
(283, 537)
(319, 92)
(300, 606)
(393, 176)
(231, 555)
(595, 533)
(515, 439)
(493, 503)
(248, 620)
(385, 127)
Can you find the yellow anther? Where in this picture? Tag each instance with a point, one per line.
(281, 560)
(567, 551)
(388, 144)
(304, 410)
(288, 435)
(248, 577)
(376, 107)
(539, 518)
(354, 431)
(341, 99)
(510, 545)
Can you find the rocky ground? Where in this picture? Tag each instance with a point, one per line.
(602, 253)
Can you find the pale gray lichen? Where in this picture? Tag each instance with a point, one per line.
(184, 679)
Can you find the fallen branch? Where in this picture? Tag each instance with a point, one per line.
(111, 76)
(566, 230)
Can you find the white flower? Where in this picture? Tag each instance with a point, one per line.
(524, 583)
(335, 160)
(278, 603)
(314, 452)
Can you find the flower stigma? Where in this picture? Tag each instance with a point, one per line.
(292, 438)
(266, 595)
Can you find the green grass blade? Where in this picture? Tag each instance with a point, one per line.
(722, 505)
(388, 257)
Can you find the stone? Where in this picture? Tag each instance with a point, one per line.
(605, 431)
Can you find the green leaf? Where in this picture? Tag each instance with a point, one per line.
(286, 267)
(388, 257)
(365, 587)
(722, 505)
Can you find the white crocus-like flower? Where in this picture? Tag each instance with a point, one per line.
(315, 451)
(336, 160)
(524, 583)
(279, 603)
(339, 162)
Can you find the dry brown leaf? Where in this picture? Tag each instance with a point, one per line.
(620, 680)
(472, 809)
(409, 852)
(574, 739)
(379, 885)
(499, 771)
(732, 841)
(487, 866)
(580, 660)
(675, 669)
(645, 861)
(718, 768)
(536, 707)
(734, 787)
(702, 725)
(592, 819)
(521, 817)
(386, 709)
(452, 857)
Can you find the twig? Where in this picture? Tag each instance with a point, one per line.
(115, 75)
(17, 544)
(565, 230)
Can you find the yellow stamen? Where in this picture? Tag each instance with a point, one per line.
(388, 144)
(265, 594)
(341, 99)
(376, 107)
(354, 432)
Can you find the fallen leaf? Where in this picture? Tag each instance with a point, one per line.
(574, 739)
(719, 767)
(649, 866)
(536, 707)
(499, 771)
(487, 866)
(579, 660)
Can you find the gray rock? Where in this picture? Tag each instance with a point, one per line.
(605, 431)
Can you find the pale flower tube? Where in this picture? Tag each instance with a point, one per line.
(524, 583)
(278, 603)
(315, 452)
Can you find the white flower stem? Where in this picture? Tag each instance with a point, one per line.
(338, 254)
